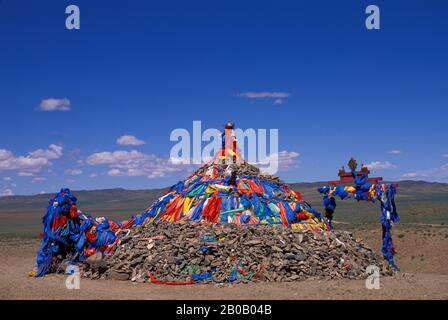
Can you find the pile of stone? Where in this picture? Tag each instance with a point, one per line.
(246, 169)
(179, 251)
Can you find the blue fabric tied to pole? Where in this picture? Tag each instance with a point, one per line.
(339, 191)
(52, 240)
(179, 186)
(361, 195)
(359, 180)
(68, 237)
(246, 202)
(245, 219)
(290, 214)
(197, 212)
(384, 193)
(330, 204)
(256, 203)
(222, 193)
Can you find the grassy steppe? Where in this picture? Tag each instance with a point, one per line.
(419, 203)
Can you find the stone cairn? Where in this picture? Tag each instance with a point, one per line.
(193, 252)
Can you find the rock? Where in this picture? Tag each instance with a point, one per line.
(287, 255)
(300, 257)
(95, 258)
(290, 256)
(116, 275)
(136, 261)
(253, 242)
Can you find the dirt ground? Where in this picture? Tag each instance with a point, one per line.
(422, 257)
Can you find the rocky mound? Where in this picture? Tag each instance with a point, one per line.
(192, 252)
(232, 223)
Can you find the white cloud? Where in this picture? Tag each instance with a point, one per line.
(445, 155)
(129, 140)
(5, 154)
(410, 175)
(73, 172)
(156, 174)
(93, 175)
(25, 174)
(286, 159)
(264, 94)
(396, 151)
(53, 152)
(6, 193)
(278, 101)
(52, 104)
(134, 163)
(380, 165)
(278, 97)
(23, 163)
(115, 157)
(39, 179)
(439, 174)
(115, 173)
(31, 163)
(7, 179)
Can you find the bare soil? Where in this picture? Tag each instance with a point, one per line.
(422, 257)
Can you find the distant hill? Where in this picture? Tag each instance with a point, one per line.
(417, 201)
(105, 197)
(113, 196)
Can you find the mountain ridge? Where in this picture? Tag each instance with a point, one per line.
(441, 187)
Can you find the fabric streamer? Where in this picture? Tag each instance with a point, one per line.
(362, 191)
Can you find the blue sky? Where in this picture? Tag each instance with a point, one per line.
(144, 68)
